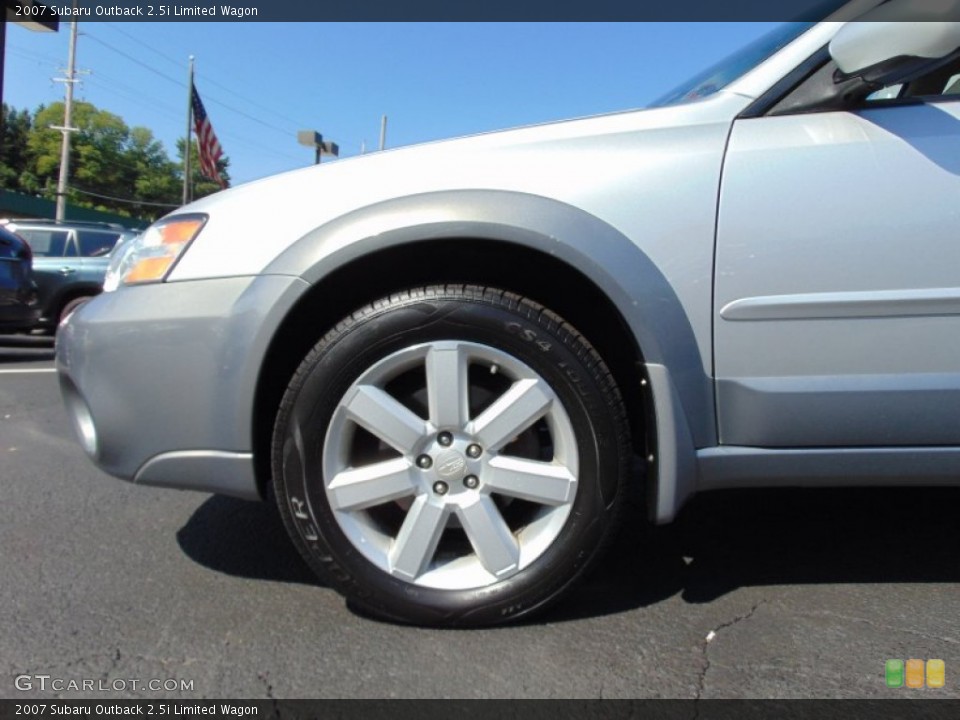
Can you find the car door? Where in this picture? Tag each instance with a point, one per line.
(55, 263)
(837, 289)
(94, 247)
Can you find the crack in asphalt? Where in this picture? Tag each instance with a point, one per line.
(264, 677)
(114, 661)
(704, 645)
(90, 663)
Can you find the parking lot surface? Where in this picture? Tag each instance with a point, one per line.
(801, 593)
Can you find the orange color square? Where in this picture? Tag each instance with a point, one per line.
(915, 673)
(936, 673)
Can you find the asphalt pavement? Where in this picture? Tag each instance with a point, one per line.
(760, 594)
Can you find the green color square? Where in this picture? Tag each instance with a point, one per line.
(894, 673)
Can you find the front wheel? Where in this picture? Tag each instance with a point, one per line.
(70, 306)
(451, 456)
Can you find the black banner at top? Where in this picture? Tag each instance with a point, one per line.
(426, 10)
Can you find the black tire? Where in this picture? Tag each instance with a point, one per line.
(477, 317)
(70, 306)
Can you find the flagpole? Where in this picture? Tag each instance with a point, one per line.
(186, 147)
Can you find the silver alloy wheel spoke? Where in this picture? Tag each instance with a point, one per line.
(378, 412)
(539, 482)
(415, 544)
(396, 511)
(447, 386)
(518, 408)
(490, 536)
(372, 485)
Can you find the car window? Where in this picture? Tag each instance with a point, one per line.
(94, 243)
(46, 243)
(953, 85)
(718, 76)
(820, 91)
(887, 93)
(943, 82)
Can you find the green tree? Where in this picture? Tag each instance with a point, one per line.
(112, 166)
(13, 146)
(154, 178)
(98, 162)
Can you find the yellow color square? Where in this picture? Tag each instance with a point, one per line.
(914, 673)
(936, 673)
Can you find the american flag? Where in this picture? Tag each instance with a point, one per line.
(207, 143)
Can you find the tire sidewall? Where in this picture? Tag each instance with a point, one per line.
(71, 305)
(343, 356)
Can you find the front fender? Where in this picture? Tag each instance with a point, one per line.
(617, 266)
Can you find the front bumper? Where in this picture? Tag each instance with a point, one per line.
(159, 380)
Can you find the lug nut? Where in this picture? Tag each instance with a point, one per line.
(474, 451)
(472, 482)
(440, 487)
(445, 439)
(424, 462)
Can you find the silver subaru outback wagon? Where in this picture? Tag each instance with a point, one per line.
(444, 371)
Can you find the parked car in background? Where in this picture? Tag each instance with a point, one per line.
(70, 261)
(447, 371)
(19, 307)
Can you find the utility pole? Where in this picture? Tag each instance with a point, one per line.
(67, 127)
(383, 132)
(188, 145)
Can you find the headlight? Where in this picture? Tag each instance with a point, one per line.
(150, 256)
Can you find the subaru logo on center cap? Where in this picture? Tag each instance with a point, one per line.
(451, 465)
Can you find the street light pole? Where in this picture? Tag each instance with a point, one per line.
(311, 138)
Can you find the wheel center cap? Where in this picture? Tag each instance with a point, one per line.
(451, 466)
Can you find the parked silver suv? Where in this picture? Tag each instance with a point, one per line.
(443, 360)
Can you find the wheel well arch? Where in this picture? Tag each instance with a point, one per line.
(467, 260)
(59, 301)
(79, 292)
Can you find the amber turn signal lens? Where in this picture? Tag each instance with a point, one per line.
(160, 248)
(149, 270)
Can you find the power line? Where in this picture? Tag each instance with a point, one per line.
(131, 58)
(168, 112)
(74, 188)
(125, 91)
(207, 79)
(283, 132)
(141, 43)
(286, 133)
(136, 95)
(30, 55)
(257, 105)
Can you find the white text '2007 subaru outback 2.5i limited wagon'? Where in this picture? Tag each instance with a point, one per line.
(444, 370)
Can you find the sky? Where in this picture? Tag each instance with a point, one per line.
(262, 82)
